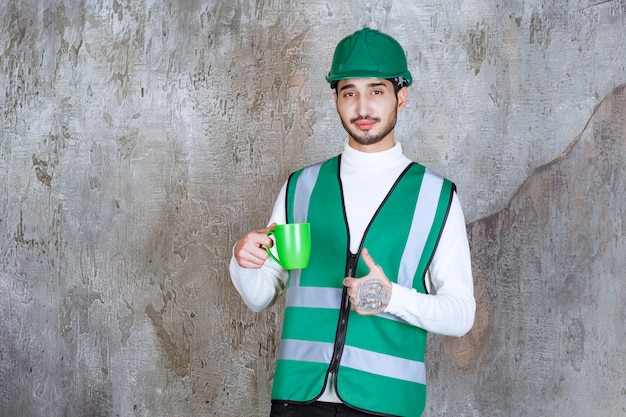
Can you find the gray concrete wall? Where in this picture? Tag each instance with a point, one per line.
(140, 139)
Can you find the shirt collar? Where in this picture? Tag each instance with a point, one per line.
(372, 160)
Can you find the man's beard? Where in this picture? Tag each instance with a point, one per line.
(365, 138)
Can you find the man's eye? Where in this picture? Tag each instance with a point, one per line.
(377, 92)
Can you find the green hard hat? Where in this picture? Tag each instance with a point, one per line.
(368, 53)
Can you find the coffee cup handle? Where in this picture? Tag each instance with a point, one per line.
(269, 252)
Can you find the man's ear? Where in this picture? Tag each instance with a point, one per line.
(403, 96)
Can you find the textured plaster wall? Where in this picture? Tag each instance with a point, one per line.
(140, 139)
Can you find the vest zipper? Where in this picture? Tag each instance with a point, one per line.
(344, 312)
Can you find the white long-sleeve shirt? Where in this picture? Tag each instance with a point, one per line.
(366, 178)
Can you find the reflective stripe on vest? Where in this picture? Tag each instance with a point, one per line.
(356, 358)
(304, 185)
(425, 208)
(318, 297)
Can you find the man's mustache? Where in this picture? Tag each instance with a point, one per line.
(358, 119)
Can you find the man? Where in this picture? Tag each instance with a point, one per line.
(389, 262)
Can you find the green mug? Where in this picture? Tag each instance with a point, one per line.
(293, 245)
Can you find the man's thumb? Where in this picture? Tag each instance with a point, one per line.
(367, 258)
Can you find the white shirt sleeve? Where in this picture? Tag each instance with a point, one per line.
(450, 308)
(259, 288)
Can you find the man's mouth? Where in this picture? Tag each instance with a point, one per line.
(364, 123)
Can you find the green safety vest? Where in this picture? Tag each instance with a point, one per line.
(378, 361)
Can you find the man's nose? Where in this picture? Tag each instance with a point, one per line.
(363, 106)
